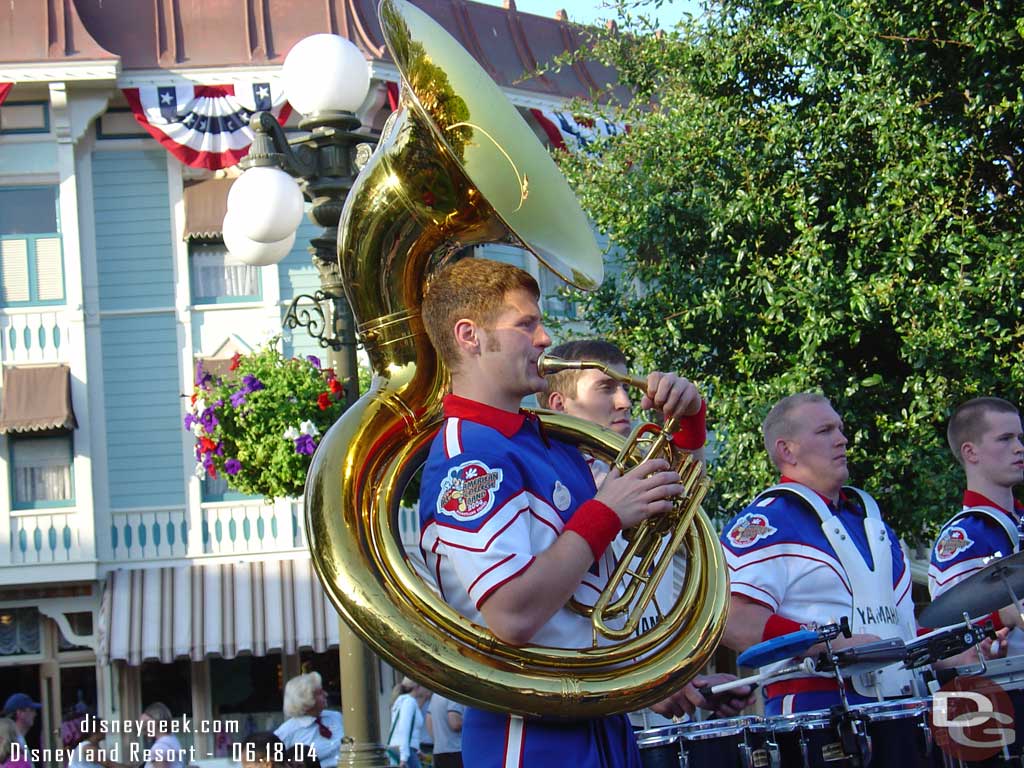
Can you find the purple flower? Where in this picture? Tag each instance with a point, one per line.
(232, 466)
(189, 421)
(314, 361)
(238, 398)
(208, 419)
(202, 377)
(251, 384)
(305, 444)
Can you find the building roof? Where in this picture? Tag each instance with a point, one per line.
(222, 34)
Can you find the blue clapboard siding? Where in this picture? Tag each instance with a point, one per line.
(298, 275)
(133, 230)
(142, 400)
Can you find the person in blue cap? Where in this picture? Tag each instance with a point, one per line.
(21, 708)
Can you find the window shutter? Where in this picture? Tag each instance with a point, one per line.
(49, 269)
(14, 270)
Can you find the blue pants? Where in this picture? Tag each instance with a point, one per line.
(493, 740)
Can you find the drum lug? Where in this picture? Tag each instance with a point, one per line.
(926, 734)
(774, 757)
(684, 760)
(746, 758)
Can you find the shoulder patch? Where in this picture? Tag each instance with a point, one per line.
(952, 542)
(749, 529)
(468, 491)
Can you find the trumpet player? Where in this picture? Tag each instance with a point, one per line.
(511, 522)
(810, 550)
(597, 397)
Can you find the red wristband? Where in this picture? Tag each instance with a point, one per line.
(597, 524)
(693, 430)
(997, 620)
(777, 626)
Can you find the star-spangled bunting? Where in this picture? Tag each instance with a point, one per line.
(5, 88)
(572, 132)
(205, 126)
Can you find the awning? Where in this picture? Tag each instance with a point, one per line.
(205, 205)
(215, 610)
(37, 398)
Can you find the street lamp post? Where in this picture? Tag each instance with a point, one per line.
(326, 79)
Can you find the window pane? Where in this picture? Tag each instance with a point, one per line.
(42, 469)
(217, 274)
(28, 210)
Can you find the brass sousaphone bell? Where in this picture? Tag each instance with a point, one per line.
(457, 166)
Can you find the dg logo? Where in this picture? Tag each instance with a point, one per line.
(973, 719)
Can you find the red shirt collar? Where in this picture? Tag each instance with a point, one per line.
(506, 422)
(975, 499)
(826, 499)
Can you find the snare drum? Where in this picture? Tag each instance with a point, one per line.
(736, 742)
(900, 734)
(805, 739)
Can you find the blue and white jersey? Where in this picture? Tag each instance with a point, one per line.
(495, 493)
(779, 556)
(970, 539)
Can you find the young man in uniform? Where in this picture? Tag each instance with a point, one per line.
(510, 521)
(810, 550)
(986, 438)
(595, 396)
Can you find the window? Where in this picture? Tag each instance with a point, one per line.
(218, 277)
(31, 254)
(41, 472)
(216, 489)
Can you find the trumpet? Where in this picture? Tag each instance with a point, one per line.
(632, 586)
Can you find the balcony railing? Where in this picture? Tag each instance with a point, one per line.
(34, 336)
(46, 537)
(225, 528)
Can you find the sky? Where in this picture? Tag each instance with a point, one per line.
(589, 11)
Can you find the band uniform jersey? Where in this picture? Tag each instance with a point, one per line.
(981, 531)
(779, 556)
(495, 493)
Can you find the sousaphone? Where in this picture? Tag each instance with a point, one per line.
(457, 166)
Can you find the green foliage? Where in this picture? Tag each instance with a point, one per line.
(821, 195)
(259, 424)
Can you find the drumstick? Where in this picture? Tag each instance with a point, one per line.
(807, 665)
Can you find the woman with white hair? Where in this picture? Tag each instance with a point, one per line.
(308, 722)
(166, 750)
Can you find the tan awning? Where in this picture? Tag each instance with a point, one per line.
(37, 398)
(205, 205)
(196, 611)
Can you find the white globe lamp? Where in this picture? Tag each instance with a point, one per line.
(252, 251)
(325, 73)
(268, 204)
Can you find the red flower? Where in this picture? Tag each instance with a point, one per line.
(194, 396)
(324, 401)
(335, 387)
(235, 360)
(330, 374)
(211, 470)
(206, 445)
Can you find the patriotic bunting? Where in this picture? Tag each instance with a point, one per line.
(574, 133)
(5, 88)
(205, 126)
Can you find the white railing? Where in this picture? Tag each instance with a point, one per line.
(46, 536)
(34, 336)
(252, 527)
(148, 534)
(225, 528)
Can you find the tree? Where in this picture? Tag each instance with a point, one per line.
(821, 195)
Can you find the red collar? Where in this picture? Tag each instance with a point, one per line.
(506, 422)
(826, 499)
(975, 499)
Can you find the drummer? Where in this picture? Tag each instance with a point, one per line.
(809, 551)
(987, 439)
(595, 396)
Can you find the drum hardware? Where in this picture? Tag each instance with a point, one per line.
(979, 594)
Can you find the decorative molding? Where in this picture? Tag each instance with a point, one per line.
(56, 71)
(139, 78)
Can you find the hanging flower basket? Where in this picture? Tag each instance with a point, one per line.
(259, 424)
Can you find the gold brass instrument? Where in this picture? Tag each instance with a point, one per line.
(456, 166)
(632, 586)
